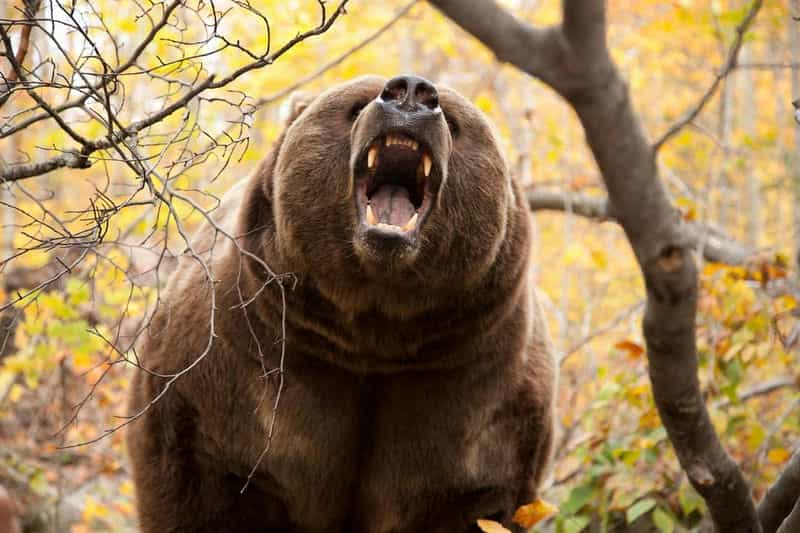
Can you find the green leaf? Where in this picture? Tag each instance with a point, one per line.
(734, 371)
(659, 434)
(55, 302)
(639, 508)
(38, 482)
(663, 521)
(78, 291)
(576, 524)
(577, 499)
(690, 501)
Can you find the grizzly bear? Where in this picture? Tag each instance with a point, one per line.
(352, 343)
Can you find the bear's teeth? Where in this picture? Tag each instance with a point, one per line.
(371, 218)
(388, 226)
(372, 156)
(411, 224)
(427, 163)
(401, 139)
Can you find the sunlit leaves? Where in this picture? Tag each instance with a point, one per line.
(779, 455)
(663, 521)
(639, 508)
(617, 465)
(530, 514)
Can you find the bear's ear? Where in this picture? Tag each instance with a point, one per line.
(297, 102)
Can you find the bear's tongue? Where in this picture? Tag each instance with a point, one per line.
(392, 205)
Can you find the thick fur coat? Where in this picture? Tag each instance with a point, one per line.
(417, 385)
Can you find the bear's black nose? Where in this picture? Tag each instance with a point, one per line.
(410, 94)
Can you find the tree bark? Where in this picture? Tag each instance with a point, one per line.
(781, 498)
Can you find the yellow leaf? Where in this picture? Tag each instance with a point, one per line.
(599, 259)
(528, 515)
(788, 302)
(778, 455)
(574, 254)
(93, 509)
(126, 488)
(687, 207)
(484, 103)
(16, 392)
(82, 360)
(490, 526)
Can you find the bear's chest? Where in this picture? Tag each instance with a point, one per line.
(353, 454)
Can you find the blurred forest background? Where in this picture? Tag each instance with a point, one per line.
(84, 250)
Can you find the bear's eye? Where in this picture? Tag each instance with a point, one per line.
(453, 125)
(355, 110)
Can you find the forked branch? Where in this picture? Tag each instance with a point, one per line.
(574, 60)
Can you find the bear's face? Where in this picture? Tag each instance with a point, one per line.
(396, 181)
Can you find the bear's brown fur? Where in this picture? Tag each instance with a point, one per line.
(417, 391)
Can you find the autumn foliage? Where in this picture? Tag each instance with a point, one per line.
(84, 251)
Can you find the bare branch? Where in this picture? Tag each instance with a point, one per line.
(730, 65)
(509, 38)
(66, 160)
(125, 132)
(18, 71)
(792, 522)
(18, 56)
(715, 248)
(105, 80)
(768, 66)
(337, 61)
(781, 499)
(578, 204)
(616, 321)
(761, 390)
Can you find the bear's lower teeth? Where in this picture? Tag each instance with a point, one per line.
(372, 220)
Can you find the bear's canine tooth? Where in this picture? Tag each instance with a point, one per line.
(372, 156)
(411, 224)
(426, 162)
(415, 145)
(371, 218)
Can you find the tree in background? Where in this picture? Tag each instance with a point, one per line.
(121, 124)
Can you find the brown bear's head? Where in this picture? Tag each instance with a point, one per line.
(397, 184)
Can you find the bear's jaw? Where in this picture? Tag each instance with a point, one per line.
(394, 191)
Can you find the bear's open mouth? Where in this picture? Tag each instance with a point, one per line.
(393, 191)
